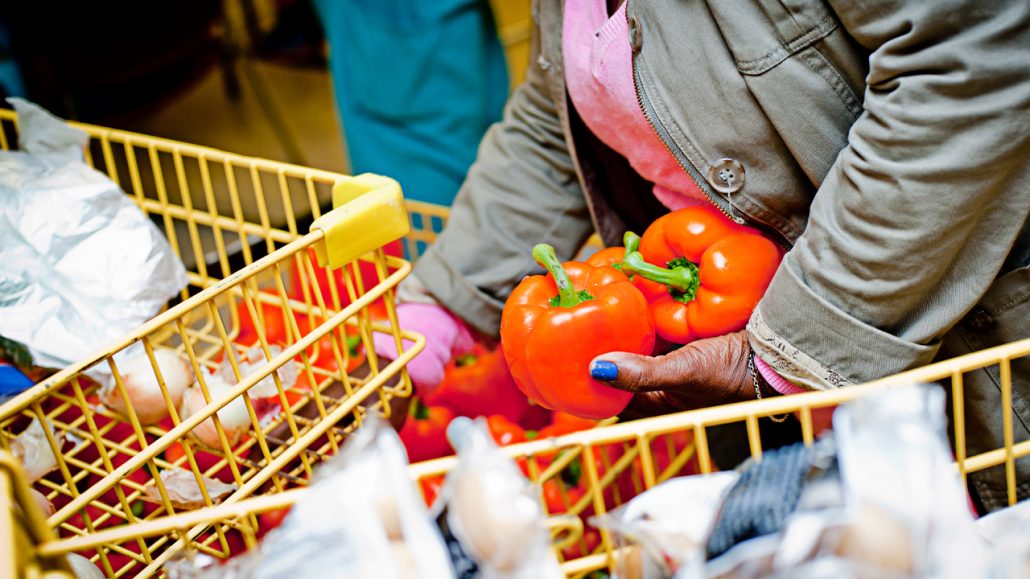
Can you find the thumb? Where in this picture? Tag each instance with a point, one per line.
(639, 373)
(719, 362)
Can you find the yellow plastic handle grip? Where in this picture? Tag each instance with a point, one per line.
(368, 212)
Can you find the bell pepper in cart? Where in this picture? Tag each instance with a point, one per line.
(504, 431)
(716, 272)
(424, 433)
(479, 383)
(553, 325)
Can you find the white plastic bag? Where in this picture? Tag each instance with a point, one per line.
(669, 522)
(80, 264)
(493, 522)
(900, 477)
(1007, 531)
(893, 508)
(361, 517)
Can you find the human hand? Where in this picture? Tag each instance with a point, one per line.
(700, 374)
(446, 336)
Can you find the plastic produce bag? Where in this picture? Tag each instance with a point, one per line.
(900, 478)
(80, 264)
(1007, 531)
(361, 517)
(893, 507)
(670, 523)
(493, 522)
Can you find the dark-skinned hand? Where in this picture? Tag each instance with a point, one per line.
(700, 374)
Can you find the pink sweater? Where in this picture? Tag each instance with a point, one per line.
(599, 75)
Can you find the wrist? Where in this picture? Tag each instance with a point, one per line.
(762, 388)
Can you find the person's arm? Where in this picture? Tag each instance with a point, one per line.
(907, 231)
(916, 217)
(522, 190)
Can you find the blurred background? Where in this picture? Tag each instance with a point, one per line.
(247, 76)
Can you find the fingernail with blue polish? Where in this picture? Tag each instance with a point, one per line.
(604, 370)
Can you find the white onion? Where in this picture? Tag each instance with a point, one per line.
(386, 506)
(142, 388)
(496, 533)
(184, 492)
(265, 388)
(83, 567)
(878, 538)
(32, 448)
(234, 416)
(45, 506)
(403, 559)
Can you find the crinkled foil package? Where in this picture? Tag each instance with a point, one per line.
(80, 263)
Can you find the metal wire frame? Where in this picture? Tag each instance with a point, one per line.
(216, 208)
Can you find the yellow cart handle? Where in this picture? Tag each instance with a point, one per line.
(368, 213)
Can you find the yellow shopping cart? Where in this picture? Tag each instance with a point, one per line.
(256, 288)
(617, 462)
(262, 297)
(255, 280)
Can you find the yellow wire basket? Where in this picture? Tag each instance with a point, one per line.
(616, 462)
(262, 298)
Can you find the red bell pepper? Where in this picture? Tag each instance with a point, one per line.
(504, 431)
(563, 491)
(613, 256)
(564, 423)
(269, 520)
(272, 317)
(431, 487)
(367, 271)
(480, 384)
(322, 353)
(666, 448)
(609, 256)
(424, 433)
(554, 325)
(716, 271)
(586, 545)
(536, 417)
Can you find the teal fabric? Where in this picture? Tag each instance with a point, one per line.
(416, 85)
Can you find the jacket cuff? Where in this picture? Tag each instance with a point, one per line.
(481, 312)
(778, 383)
(812, 343)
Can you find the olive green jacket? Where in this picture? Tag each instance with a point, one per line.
(886, 143)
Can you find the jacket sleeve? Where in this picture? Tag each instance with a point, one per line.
(522, 190)
(922, 207)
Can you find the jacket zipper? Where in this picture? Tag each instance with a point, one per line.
(684, 163)
(666, 138)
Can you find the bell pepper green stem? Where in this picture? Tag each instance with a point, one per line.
(631, 241)
(419, 410)
(681, 279)
(353, 341)
(567, 295)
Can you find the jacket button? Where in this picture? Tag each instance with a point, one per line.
(635, 35)
(726, 176)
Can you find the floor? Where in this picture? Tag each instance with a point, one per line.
(283, 113)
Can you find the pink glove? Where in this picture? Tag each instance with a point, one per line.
(446, 336)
